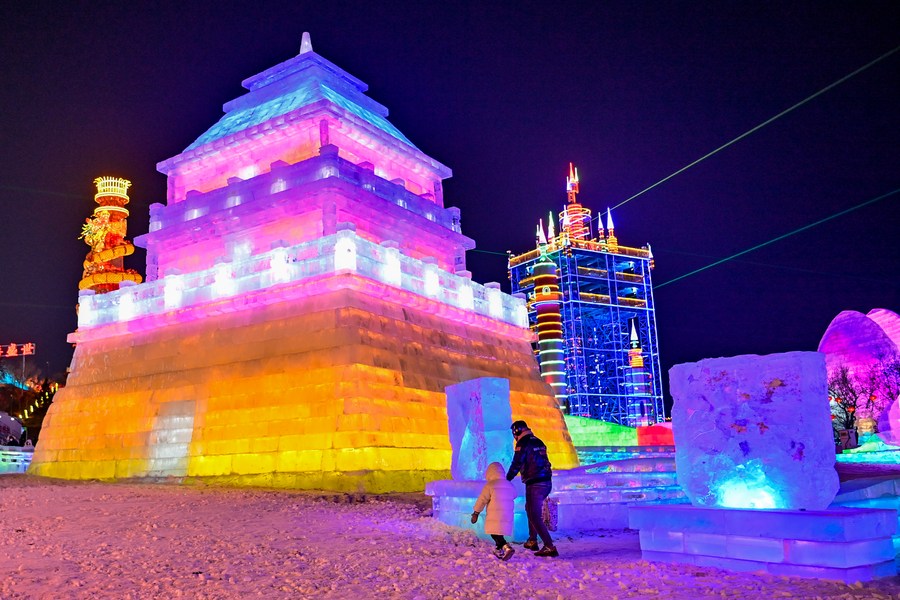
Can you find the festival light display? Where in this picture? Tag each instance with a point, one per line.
(306, 304)
(548, 320)
(15, 350)
(598, 296)
(105, 232)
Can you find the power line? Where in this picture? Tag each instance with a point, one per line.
(657, 251)
(24, 190)
(780, 237)
(760, 126)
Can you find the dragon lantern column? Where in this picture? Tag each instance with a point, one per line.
(105, 232)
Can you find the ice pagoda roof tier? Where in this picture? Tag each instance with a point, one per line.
(294, 204)
(291, 110)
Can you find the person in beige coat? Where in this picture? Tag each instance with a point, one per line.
(499, 496)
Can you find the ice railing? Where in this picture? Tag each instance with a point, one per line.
(282, 177)
(343, 252)
(14, 459)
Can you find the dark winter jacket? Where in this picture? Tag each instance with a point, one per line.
(531, 459)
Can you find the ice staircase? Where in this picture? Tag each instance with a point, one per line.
(597, 496)
(589, 455)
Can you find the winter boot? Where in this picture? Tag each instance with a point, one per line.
(547, 551)
(506, 552)
(531, 545)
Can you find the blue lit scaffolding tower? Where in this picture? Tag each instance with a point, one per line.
(611, 355)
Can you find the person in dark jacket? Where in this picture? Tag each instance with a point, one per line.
(537, 474)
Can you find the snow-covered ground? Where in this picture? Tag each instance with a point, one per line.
(99, 540)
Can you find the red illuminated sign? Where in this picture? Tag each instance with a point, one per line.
(14, 350)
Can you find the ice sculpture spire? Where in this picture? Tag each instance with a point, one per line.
(611, 238)
(541, 238)
(575, 216)
(305, 43)
(572, 182)
(551, 232)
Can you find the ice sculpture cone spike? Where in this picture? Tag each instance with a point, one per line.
(305, 43)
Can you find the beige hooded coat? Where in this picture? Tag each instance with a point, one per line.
(499, 496)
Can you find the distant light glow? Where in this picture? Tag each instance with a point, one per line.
(392, 272)
(521, 317)
(345, 254)
(432, 283)
(241, 251)
(248, 172)
(224, 282)
(281, 268)
(172, 292)
(126, 307)
(495, 302)
(466, 297)
(86, 310)
(279, 186)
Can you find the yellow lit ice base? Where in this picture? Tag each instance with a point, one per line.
(341, 392)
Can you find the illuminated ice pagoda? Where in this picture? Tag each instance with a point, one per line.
(307, 303)
(590, 301)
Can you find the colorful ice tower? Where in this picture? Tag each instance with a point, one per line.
(306, 305)
(590, 300)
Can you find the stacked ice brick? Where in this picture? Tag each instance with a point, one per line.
(307, 296)
(754, 453)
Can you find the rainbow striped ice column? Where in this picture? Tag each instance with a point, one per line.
(306, 304)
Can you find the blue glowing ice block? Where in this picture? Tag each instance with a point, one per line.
(479, 416)
(754, 431)
(847, 544)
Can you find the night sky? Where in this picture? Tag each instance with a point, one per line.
(505, 95)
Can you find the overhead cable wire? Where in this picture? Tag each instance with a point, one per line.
(760, 126)
(26, 190)
(657, 251)
(779, 238)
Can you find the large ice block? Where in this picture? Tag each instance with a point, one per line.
(479, 415)
(754, 431)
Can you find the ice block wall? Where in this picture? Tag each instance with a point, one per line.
(307, 304)
(479, 418)
(754, 431)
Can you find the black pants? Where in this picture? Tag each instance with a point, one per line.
(499, 540)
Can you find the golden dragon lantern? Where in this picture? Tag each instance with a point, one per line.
(105, 232)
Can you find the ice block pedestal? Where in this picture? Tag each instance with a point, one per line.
(479, 414)
(754, 453)
(844, 544)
